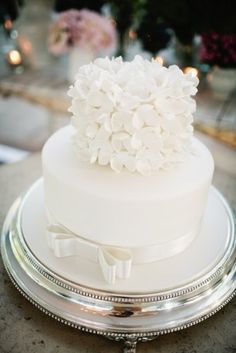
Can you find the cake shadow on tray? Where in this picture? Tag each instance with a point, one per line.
(124, 235)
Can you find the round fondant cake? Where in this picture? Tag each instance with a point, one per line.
(127, 182)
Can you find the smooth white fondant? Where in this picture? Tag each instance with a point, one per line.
(115, 262)
(201, 257)
(135, 115)
(126, 209)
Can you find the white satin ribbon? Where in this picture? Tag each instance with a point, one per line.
(115, 262)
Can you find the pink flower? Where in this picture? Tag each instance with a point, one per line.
(83, 29)
(58, 39)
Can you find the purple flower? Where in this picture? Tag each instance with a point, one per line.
(218, 49)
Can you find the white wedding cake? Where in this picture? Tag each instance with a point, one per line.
(126, 183)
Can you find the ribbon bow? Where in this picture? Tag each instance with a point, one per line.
(114, 262)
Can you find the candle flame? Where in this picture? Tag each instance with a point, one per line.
(160, 60)
(14, 57)
(132, 34)
(8, 24)
(191, 70)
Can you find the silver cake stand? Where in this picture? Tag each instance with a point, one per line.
(130, 317)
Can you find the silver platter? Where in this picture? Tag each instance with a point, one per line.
(130, 318)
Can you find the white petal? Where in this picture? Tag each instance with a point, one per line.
(106, 85)
(95, 98)
(105, 154)
(121, 136)
(116, 144)
(101, 118)
(117, 121)
(78, 107)
(179, 106)
(130, 163)
(136, 143)
(137, 121)
(116, 164)
(152, 118)
(107, 105)
(94, 156)
(151, 140)
(156, 163)
(129, 102)
(147, 114)
(128, 124)
(92, 130)
(107, 125)
(143, 167)
(174, 126)
(100, 139)
(127, 145)
(102, 134)
(72, 91)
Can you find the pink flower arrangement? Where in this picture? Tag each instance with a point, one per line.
(219, 49)
(83, 29)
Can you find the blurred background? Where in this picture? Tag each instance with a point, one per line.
(43, 42)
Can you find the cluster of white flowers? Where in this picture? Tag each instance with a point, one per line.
(135, 115)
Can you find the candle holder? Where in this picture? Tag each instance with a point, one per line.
(14, 60)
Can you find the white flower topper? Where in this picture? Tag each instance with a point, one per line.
(135, 115)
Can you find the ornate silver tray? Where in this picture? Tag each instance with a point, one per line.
(126, 316)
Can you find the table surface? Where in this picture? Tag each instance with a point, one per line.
(23, 328)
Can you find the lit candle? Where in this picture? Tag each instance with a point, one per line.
(14, 58)
(159, 59)
(8, 24)
(132, 34)
(192, 70)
